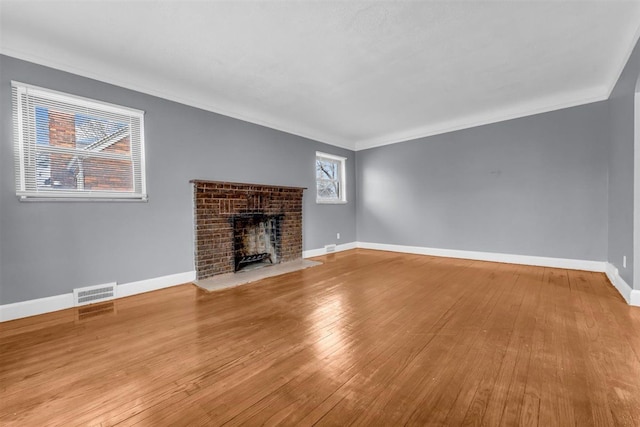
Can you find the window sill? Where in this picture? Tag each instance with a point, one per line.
(331, 202)
(31, 197)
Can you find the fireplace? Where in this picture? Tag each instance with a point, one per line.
(256, 240)
(243, 226)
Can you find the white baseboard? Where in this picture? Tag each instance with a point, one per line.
(60, 302)
(618, 282)
(631, 296)
(339, 248)
(33, 307)
(635, 298)
(571, 264)
(133, 288)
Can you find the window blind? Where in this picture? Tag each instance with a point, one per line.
(68, 147)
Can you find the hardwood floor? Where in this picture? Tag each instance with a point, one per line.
(368, 338)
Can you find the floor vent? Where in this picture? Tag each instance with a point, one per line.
(91, 294)
(330, 248)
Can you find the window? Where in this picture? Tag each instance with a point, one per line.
(67, 147)
(330, 178)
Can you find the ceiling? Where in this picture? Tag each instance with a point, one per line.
(354, 74)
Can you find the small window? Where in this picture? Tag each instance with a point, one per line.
(71, 148)
(330, 178)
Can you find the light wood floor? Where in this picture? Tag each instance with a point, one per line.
(369, 338)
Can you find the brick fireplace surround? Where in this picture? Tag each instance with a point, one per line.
(215, 205)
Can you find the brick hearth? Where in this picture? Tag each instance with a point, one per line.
(216, 203)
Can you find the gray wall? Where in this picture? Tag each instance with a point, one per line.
(621, 154)
(530, 186)
(49, 248)
(558, 184)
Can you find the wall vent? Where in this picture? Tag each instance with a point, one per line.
(330, 248)
(91, 294)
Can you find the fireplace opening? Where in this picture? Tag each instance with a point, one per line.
(256, 241)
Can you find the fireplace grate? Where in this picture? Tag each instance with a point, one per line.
(252, 258)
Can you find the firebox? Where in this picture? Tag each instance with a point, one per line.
(256, 240)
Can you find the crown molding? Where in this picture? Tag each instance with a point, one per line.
(628, 50)
(545, 105)
(244, 116)
(471, 121)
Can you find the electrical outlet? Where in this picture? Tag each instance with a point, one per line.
(624, 261)
(338, 236)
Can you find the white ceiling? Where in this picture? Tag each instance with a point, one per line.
(354, 74)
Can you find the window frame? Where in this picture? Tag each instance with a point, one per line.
(22, 113)
(342, 179)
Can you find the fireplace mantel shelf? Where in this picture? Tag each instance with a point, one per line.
(245, 186)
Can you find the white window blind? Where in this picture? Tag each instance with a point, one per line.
(67, 147)
(330, 178)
